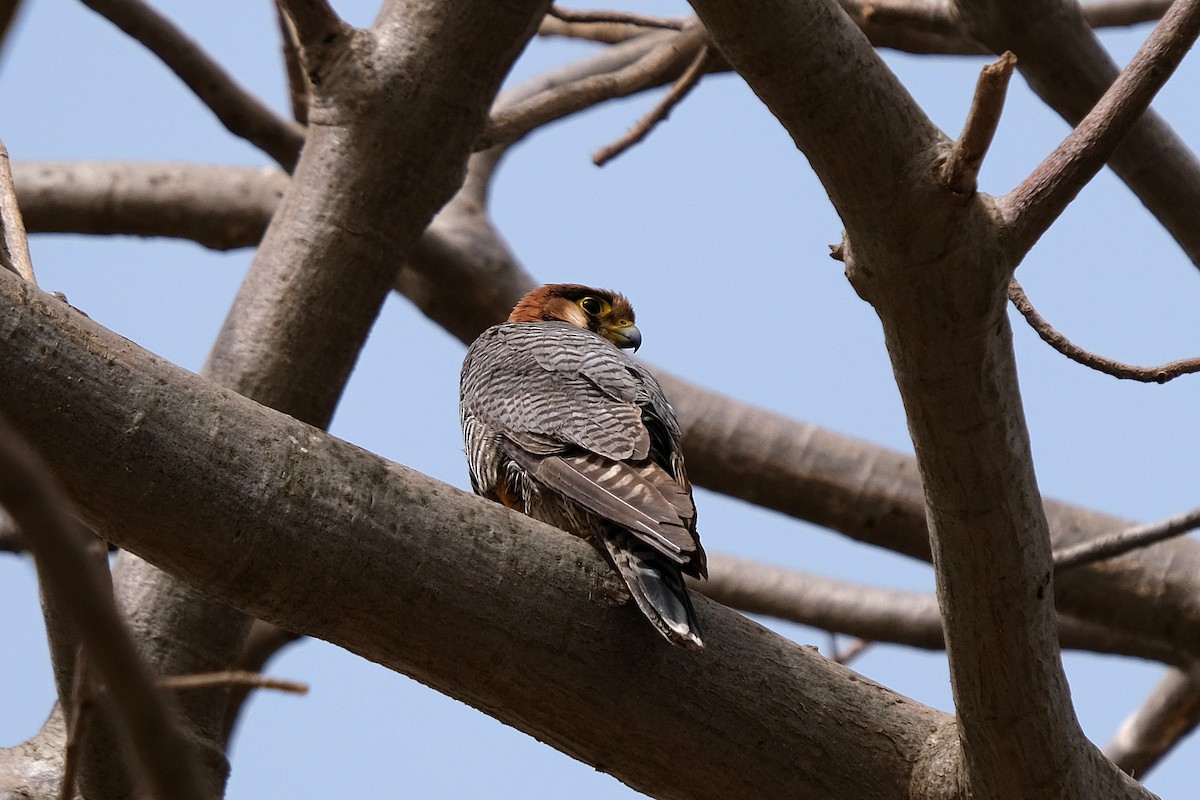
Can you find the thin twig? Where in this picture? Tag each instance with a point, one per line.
(853, 650)
(77, 722)
(641, 129)
(622, 17)
(14, 247)
(1039, 199)
(667, 58)
(262, 642)
(1119, 543)
(232, 677)
(606, 32)
(960, 171)
(240, 112)
(297, 84)
(39, 507)
(316, 22)
(1159, 374)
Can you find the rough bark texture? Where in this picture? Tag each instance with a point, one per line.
(261, 511)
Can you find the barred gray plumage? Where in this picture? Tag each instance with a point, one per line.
(561, 424)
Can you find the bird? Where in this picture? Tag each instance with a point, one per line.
(561, 424)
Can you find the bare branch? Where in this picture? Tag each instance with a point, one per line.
(218, 206)
(14, 249)
(620, 17)
(884, 615)
(39, 507)
(1132, 539)
(347, 503)
(262, 643)
(1168, 714)
(607, 32)
(232, 677)
(79, 715)
(316, 23)
(1039, 199)
(1051, 336)
(240, 112)
(297, 83)
(961, 168)
(679, 90)
(670, 54)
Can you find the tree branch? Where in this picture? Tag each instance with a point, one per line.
(14, 249)
(317, 25)
(463, 276)
(559, 661)
(641, 129)
(1159, 374)
(668, 56)
(240, 112)
(961, 169)
(1168, 714)
(1127, 540)
(929, 264)
(883, 615)
(36, 503)
(1069, 69)
(621, 17)
(218, 206)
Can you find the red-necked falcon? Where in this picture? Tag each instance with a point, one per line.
(561, 424)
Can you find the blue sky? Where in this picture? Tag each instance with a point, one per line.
(717, 230)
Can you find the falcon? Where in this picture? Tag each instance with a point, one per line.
(561, 424)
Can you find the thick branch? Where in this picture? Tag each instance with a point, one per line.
(221, 207)
(1168, 714)
(350, 539)
(878, 614)
(931, 268)
(239, 111)
(463, 276)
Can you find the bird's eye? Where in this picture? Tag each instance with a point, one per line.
(591, 305)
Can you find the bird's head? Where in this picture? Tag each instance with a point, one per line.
(597, 310)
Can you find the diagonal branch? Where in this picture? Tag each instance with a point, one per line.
(1126, 541)
(883, 615)
(37, 504)
(669, 55)
(315, 22)
(240, 112)
(1051, 336)
(548, 653)
(464, 277)
(1038, 200)
(1169, 713)
(961, 169)
(641, 129)
(14, 248)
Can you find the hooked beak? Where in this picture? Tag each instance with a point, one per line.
(627, 337)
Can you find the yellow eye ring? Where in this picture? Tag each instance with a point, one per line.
(591, 305)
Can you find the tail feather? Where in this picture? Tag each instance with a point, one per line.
(657, 587)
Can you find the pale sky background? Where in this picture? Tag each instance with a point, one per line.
(717, 230)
